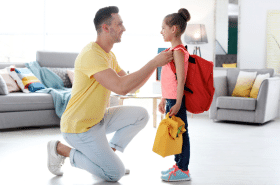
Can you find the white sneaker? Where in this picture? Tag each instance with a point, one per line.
(55, 161)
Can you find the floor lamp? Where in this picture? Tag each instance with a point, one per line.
(196, 34)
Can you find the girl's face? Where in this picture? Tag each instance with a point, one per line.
(166, 32)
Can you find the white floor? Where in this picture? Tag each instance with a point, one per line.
(221, 153)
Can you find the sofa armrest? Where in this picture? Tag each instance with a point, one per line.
(268, 100)
(221, 89)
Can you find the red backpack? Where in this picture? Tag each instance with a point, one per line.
(199, 85)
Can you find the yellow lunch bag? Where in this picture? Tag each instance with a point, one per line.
(169, 138)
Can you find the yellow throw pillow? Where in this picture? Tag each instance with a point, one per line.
(233, 65)
(244, 84)
(257, 84)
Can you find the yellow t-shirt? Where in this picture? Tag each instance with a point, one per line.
(89, 98)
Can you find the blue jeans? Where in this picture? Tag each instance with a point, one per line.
(182, 160)
(91, 150)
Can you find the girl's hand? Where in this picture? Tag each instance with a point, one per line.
(174, 110)
(161, 106)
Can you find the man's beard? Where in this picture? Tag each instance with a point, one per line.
(115, 36)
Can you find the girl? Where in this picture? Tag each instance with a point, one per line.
(173, 26)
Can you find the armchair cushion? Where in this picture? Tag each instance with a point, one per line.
(255, 89)
(244, 84)
(232, 74)
(237, 103)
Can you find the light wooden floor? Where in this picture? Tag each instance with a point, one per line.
(221, 153)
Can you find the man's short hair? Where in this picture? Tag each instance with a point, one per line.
(103, 15)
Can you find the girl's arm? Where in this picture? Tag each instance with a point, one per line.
(180, 72)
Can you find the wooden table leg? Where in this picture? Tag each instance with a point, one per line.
(120, 101)
(155, 112)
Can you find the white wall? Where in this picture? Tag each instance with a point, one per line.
(202, 12)
(252, 27)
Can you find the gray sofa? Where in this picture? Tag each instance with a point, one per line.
(20, 109)
(227, 108)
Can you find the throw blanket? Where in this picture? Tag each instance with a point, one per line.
(54, 84)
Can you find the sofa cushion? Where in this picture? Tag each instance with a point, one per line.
(71, 75)
(238, 103)
(3, 87)
(17, 79)
(232, 75)
(29, 80)
(10, 82)
(62, 73)
(26, 102)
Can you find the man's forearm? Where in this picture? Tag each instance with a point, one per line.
(139, 86)
(137, 79)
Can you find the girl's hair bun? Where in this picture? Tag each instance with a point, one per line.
(185, 14)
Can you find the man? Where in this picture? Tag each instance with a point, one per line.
(86, 121)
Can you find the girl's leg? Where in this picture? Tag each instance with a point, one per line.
(183, 159)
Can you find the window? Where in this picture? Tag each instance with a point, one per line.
(67, 25)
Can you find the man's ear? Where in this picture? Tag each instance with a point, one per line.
(105, 28)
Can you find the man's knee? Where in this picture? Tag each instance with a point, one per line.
(116, 174)
(143, 116)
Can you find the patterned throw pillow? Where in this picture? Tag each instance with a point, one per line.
(26, 80)
(255, 89)
(62, 73)
(71, 75)
(244, 84)
(10, 82)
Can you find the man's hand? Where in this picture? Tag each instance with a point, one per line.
(161, 106)
(163, 58)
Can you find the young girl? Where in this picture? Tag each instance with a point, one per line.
(173, 26)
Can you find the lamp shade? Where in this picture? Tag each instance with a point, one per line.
(196, 34)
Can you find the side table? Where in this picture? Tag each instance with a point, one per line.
(154, 97)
